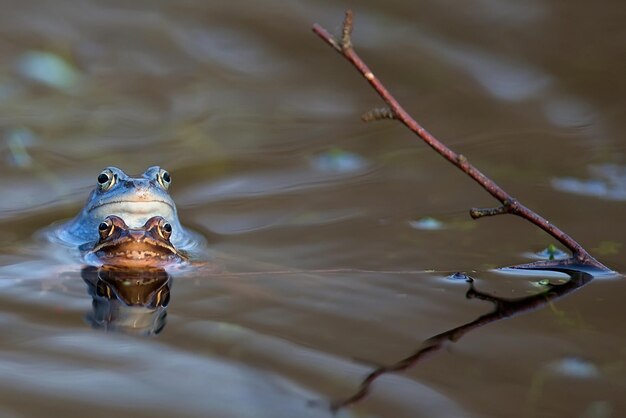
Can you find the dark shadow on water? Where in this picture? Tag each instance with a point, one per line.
(131, 301)
(502, 308)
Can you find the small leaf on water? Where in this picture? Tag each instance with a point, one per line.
(552, 252)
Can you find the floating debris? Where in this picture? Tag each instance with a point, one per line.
(339, 161)
(427, 223)
(49, 69)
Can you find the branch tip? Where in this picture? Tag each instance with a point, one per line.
(477, 213)
(326, 37)
(379, 113)
(346, 41)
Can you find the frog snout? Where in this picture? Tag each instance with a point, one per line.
(141, 188)
(136, 235)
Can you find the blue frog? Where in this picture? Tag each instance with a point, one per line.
(133, 199)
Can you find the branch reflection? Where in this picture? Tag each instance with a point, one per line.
(128, 300)
(503, 308)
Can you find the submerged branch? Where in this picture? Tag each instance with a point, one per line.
(396, 111)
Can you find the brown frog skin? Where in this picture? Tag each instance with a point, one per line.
(145, 247)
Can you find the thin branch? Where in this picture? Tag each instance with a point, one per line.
(477, 213)
(346, 34)
(345, 48)
(379, 113)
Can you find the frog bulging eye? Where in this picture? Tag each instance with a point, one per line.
(165, 229)
(164, 178)
(106, 180)
(105, 229)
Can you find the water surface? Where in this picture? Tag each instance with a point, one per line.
(332, 241)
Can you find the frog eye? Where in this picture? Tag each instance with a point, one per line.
(105, 229)
(164, 229)
(103, 290)
(164, 178)
(106, 180)
(161, 299)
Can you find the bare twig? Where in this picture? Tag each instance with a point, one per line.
(477, 213)
(346, 33)
(510, 205)
(379, 113)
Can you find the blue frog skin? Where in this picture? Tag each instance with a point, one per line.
(134, 199)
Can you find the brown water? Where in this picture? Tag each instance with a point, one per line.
(258, 121)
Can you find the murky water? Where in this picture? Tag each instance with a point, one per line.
(332, 241)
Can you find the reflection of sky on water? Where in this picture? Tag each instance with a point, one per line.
(504, 78)
(232, 49)
(568, 112)
(130, 371)
(574, 367)
(607, 181)
(48, 69)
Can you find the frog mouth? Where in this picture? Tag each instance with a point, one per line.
(136, 251)
(136, 206)
(140, 254)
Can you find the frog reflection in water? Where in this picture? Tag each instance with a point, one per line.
(130, 290)
(134, 199)
(128, 300)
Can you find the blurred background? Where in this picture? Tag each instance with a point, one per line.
(259, 123)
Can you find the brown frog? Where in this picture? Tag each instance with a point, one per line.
(144, 247)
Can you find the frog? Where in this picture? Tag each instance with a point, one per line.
(134, 199)
(145, 247)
